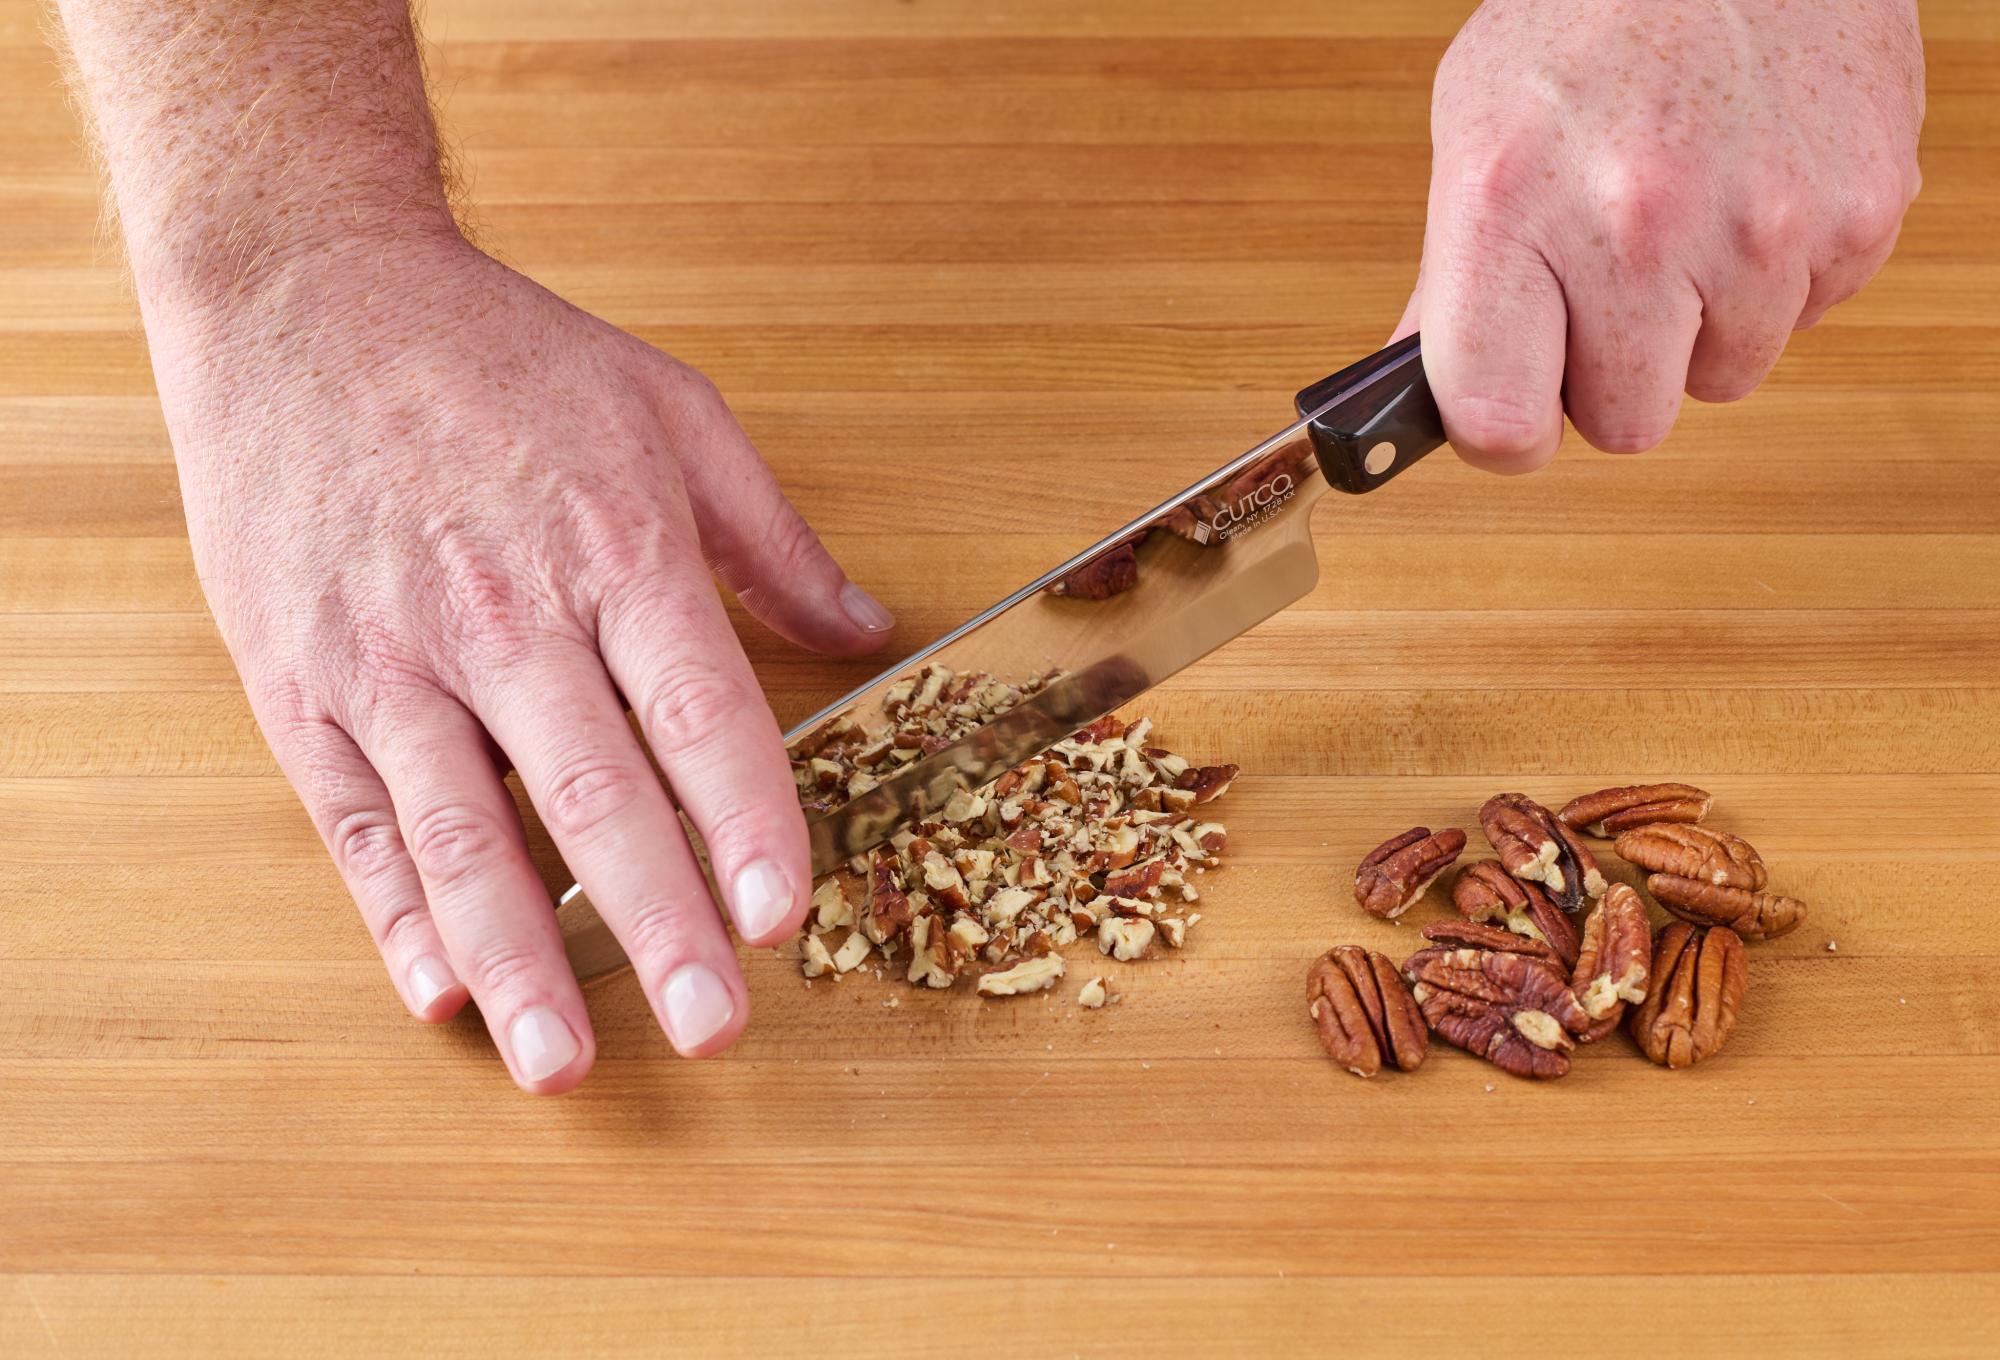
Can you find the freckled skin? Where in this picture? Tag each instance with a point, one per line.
(1635, 198)
(448, 523)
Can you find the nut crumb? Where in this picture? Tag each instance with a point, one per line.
(1489, 1086)
(1832, 947)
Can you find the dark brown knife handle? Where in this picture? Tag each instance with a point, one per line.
(1373, 418)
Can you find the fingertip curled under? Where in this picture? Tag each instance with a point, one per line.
(766, 903)
(432, 991)
(544, 1048)
(701, 1012)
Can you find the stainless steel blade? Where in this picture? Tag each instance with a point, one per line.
(1211, 563)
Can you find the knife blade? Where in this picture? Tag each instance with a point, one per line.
(1151, 599)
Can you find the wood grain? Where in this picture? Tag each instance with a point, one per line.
(1016, 246)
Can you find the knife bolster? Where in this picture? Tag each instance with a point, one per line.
(1373, 418)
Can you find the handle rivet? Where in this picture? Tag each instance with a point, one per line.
(1379, 459)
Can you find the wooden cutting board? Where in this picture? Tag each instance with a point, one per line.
(1041, 263)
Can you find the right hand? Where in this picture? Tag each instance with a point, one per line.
(449, 523)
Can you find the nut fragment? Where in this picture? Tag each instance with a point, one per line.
(1612, 965)
(1699, 852)
(1029, 975)
(1534, 846)
(1124, 939)
(1513, 1010)
(1612, 812)
(1486, 892)
(1397, 872)
(1752, 915)
(1366, 1016)
(1698, 981)
(814, 961)
(1093, 994)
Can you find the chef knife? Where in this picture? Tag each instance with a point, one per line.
(1151, 599)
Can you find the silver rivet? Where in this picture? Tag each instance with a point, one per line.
(1380, 459)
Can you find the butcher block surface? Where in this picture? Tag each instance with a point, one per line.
(982, 280)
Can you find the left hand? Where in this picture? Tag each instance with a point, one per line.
(1631, 201)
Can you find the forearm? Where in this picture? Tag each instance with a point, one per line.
(245, 140)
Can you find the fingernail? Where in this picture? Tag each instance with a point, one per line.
(697, 1006)
(430, 978)
(866, 611)
(763, 899)
(543, 1043)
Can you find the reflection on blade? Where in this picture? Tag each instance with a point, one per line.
(1109, 624)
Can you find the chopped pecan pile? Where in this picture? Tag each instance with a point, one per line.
(1397, 872)
(1101, 835)
(927, 712)
(1366, 1017)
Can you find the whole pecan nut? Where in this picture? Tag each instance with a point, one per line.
(1486, 892)
(1612, 812)
(1534, 846)
(1699, 852)
(1614, 962)
(1397, 872)
(1512, 1009)
(1365, 1014)
(1752, 915)
(1697, 986)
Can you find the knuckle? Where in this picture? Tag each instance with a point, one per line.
(691, 701)
(584, 795)
(666, 933)
(1644, 203)
(453, 841)
(1495, 177)
(392, 927)
(503, 966)
(1769, 232)
(793, 557)
(482, 604)
(365, 844)
(1874, 212)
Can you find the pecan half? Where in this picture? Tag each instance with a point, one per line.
(1698, 981)
(1473, 935)
(1365, 1014)
(1486, 892)
(1694, 852)
(1614, 963)
(1397, 872)
(1612, 812)
(1752, 915)
(1533, 845)
(1513, 1010)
